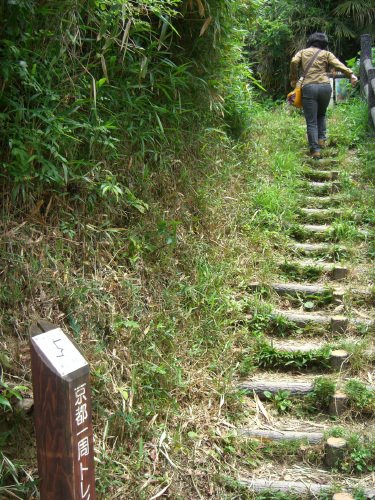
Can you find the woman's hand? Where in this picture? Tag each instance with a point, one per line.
(353, 80)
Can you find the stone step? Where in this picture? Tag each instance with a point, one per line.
(295, 345)
(321, 175)
(322, 201)
(319, 231)
(295, 289)
(320, 214)
(298, 386)
(308, 345)
(319, 211)
(335, 271)
(281, 435)
(335, 323)
(293, 386)
(317, 228)
(334, 448)
(322, 187)
(312, 233)
(317, 248)
(323, 163)
(365, 293)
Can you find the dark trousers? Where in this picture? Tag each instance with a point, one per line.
(315, 100)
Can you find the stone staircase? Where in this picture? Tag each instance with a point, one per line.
(341, 313)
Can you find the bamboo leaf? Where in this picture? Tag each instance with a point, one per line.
(104, 68)
(5, 403)
(200, 8)
(94, 91)
(205, 26)
(159, 122)
(100, 82)
(125, 37)
(144, 65)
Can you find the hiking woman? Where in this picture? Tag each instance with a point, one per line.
(315, 62)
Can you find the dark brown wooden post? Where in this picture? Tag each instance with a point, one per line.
(62, 409)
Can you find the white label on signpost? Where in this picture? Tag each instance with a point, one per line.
(60, 351)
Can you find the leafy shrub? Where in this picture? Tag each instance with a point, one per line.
(89, 88)
(280, 400)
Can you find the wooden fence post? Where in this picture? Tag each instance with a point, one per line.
(366, 44)
(62, 409)
(371, 95)
(368, 77)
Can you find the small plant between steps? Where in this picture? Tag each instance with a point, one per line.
(266, 356)
(268, 323)
(295, 271)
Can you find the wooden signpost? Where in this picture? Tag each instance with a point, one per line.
(62, 409)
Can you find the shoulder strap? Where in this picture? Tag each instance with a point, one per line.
(310, 63)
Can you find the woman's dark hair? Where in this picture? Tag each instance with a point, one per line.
(319, 40)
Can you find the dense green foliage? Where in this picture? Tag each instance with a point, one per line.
(89, 89)
(283, 27)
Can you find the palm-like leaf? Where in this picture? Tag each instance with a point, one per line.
(342, 30)
(359, 10)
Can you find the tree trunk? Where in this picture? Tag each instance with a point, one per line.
(334, 451)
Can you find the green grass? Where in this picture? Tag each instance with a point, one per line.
(158, 301)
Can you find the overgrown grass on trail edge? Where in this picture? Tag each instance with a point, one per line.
(156, 301)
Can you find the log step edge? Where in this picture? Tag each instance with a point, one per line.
(297, 487)
(277, 435)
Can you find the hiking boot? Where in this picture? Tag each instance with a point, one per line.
(322, 143)
(316, 155)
